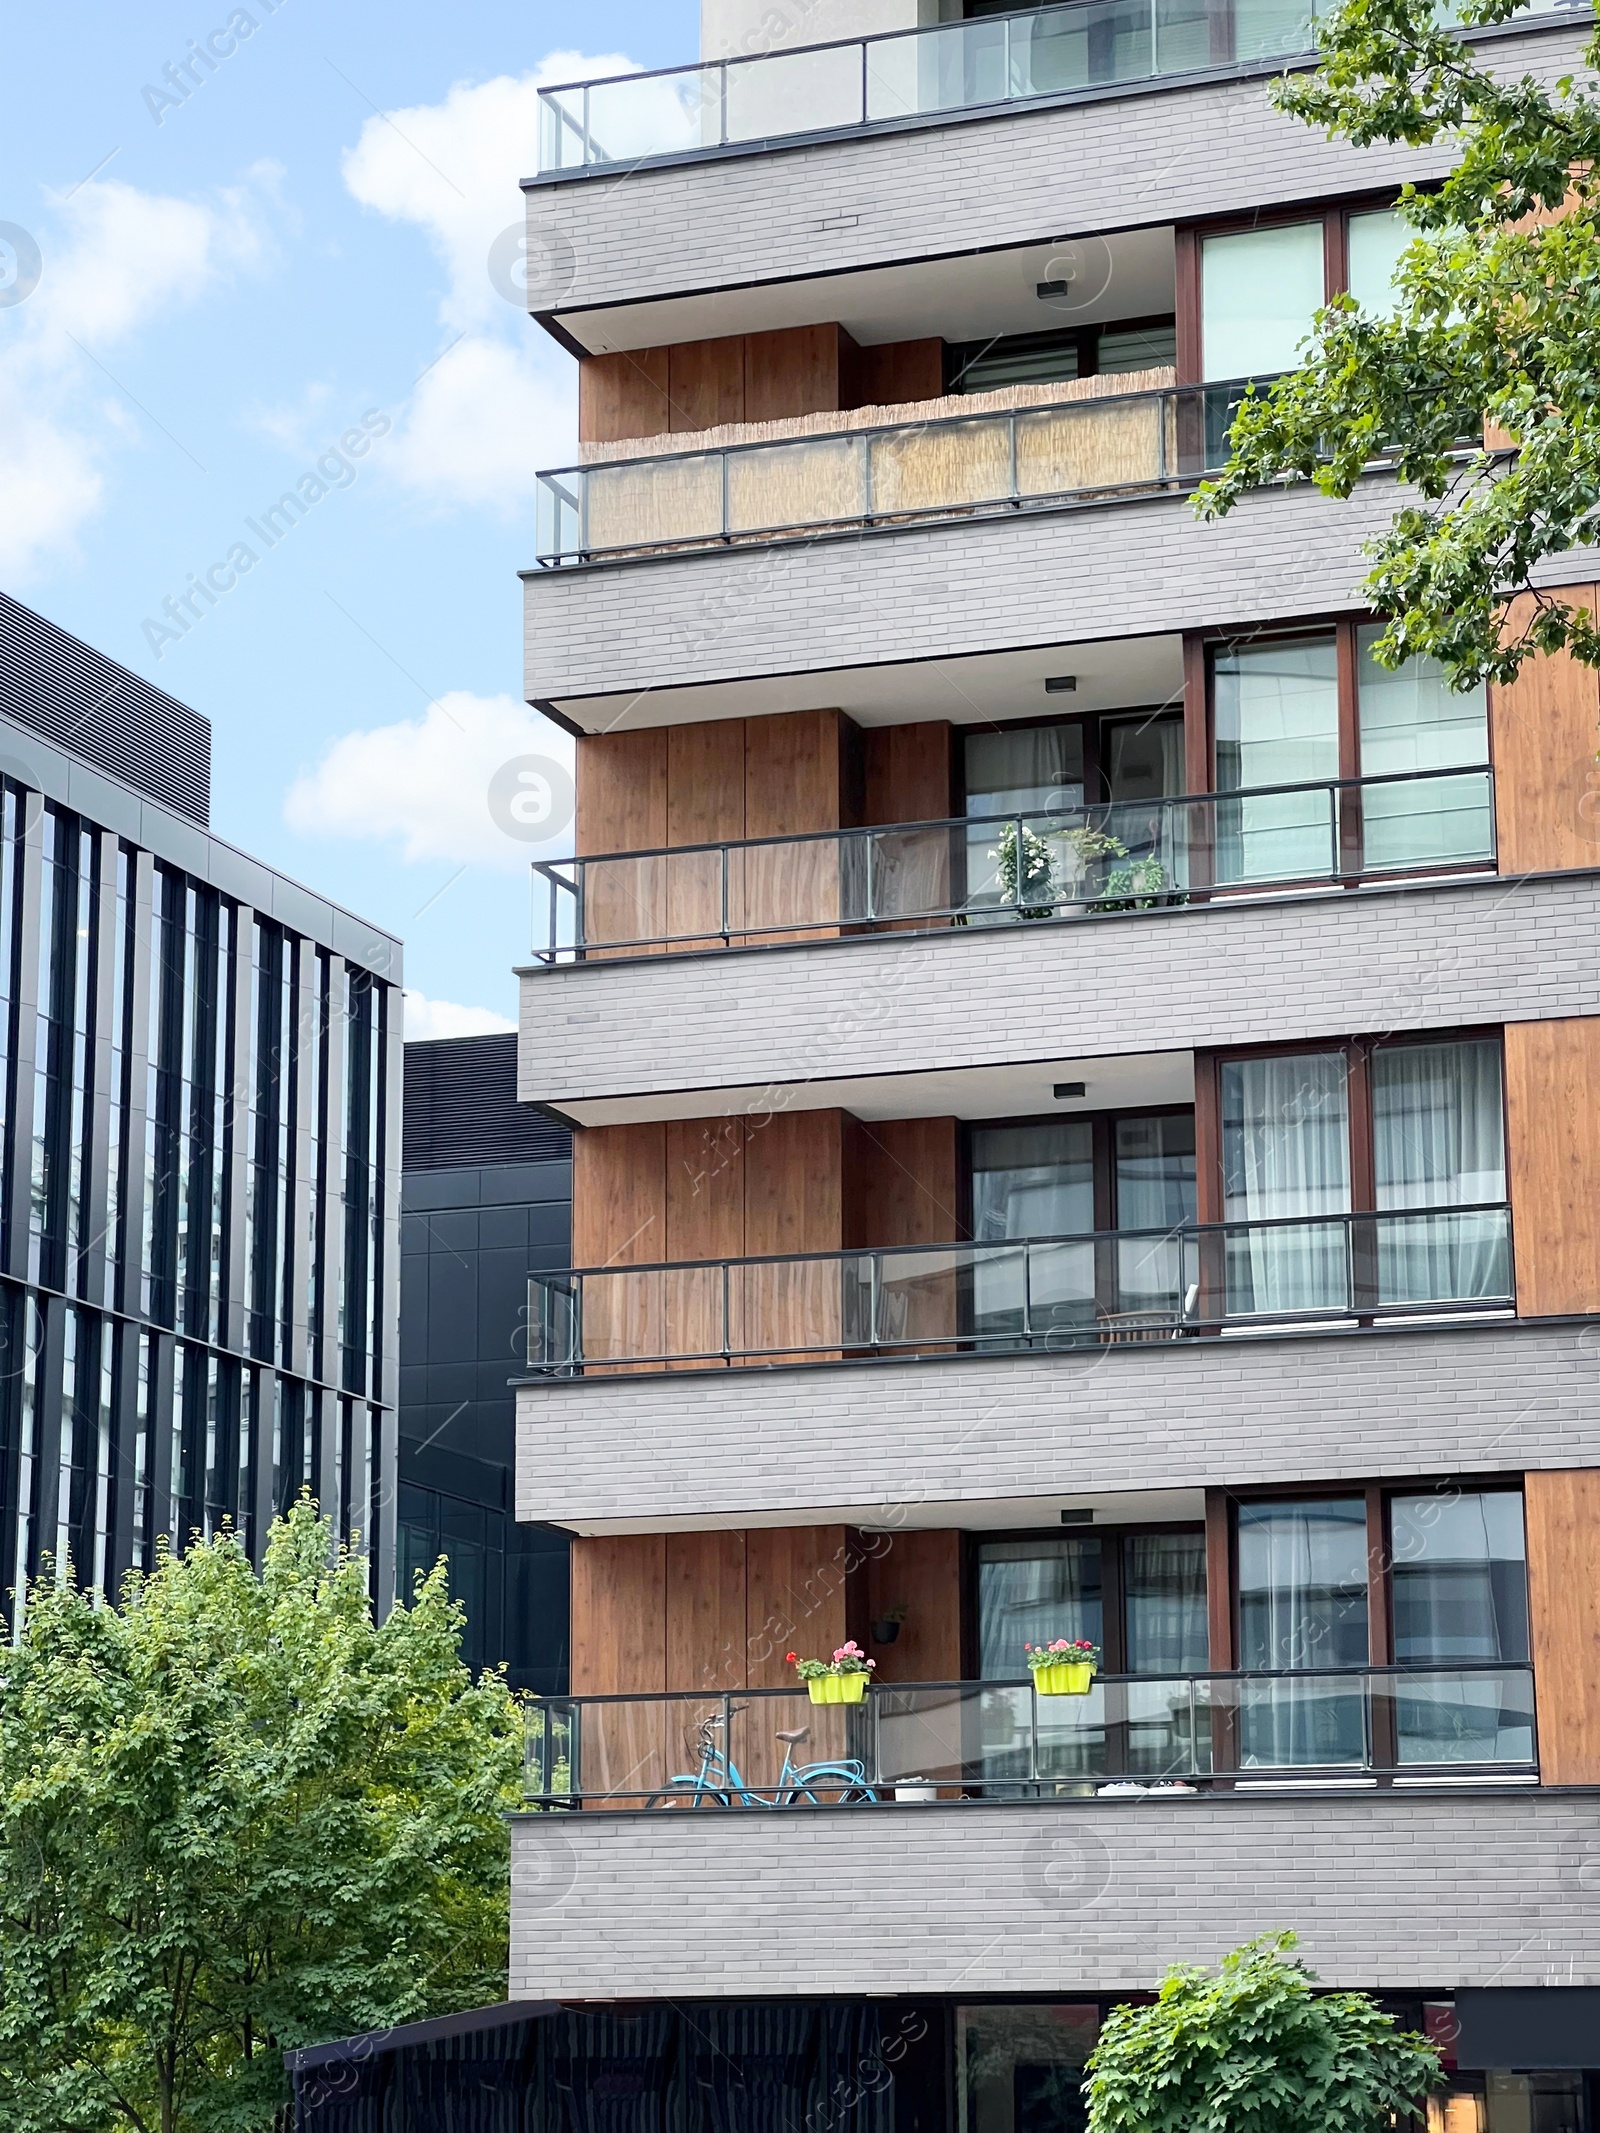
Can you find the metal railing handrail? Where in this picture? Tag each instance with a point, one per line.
(1208, 1744)
(1350, 1669)
(1153, 1234)
(1014, 814)
(798, 51)
(889, 429)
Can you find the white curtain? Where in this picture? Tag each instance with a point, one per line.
(1302, 1605)
(1286, 1152)
(1439, 1142)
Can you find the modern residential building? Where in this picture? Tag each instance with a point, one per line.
(1085, 1092)
(486, 1193)
(199, 1156)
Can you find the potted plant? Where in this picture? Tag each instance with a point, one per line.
(1025, 871)
(841, 1679)
(1063, 1668)
(887, 1627)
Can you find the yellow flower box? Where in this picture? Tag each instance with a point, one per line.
(1072, 1680)
(838, 1688)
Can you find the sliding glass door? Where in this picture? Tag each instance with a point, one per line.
(1302, 1606)
(1286, 1153)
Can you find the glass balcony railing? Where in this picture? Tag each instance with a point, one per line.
(1037, 1293)
(986, 1740)
(1000, 869)
(1077, 448)
(1074, 49)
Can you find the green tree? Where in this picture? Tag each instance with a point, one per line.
(237, 1814)
(1251, 2048)
(1497, 321)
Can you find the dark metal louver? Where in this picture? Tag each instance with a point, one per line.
(461, 1108)
(73, 695)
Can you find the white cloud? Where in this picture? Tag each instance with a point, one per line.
(114, 258)
(443, 1018)
(481, 425)
(425, 783)
(453, 169)
(500, 403)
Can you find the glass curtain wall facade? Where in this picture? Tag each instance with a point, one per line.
(197, 1183)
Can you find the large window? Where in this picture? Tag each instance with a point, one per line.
(1142, 1598)
(1260, 289)
(1307, 711)
(1411, 1135)
(1326, 1586)
(1119, 767)
(1067, 1178)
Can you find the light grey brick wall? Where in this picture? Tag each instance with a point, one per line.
(1420, 1893)
(1075, 576)
(1137, 159)
(884, 1440)
(774, 1019)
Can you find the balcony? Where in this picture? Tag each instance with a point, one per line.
(1082, 445)
(1001, 869)
(1040, 1294)
(981, 1741)
(1080, 49)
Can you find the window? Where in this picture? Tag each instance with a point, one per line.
(1121, 766)
(1064, 1179)
(1142, 1598)
(1318, 1579)
(1308, 711)
(1260, 289)
(1061, 354)
(1020, 2069)
(1413, 1133)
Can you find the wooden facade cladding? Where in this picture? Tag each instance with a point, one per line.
(717, 1610)
(1563, 1524)
(1553, 1147)
(1545, 734)
(748, 377)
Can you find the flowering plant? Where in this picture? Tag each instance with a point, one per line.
(848, 1659)
(1079, 1652)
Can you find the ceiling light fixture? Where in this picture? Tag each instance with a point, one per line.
(1071, 1088)
(1061, 684)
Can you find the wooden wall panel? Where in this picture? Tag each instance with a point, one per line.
(622, 396)
(705, 1611)
(794, 371)
(1545, 731)
(922, 1573)
(794, 1598)
(1553, 1151)
(794, 773)
(705, 781)
(1563, 1513)
(619, 1636)
(705, 383)
(622, 791)
(896, 371)
(909, 772)
(705, 1188)
(794, 1183)
(907, 1189)
(619, 1195)
(622, 807)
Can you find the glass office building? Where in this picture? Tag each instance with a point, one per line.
(199, 1151)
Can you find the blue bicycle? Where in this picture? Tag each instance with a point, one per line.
(717, 1782)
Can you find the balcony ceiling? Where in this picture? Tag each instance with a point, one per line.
(1129, 275)
(1024, 1091)
(998, 1514)
(1118, 674)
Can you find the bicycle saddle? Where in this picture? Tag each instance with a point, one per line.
(794, 1739)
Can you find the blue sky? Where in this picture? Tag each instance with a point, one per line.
(228, 286)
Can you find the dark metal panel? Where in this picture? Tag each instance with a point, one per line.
(47, 1427)
(325, 1351)
(262, 1508)
(19, 1118)
(136, 1114)
(236, 1142)
(1529, 2028)
(162, 1396)
(461, 1107)
(302, 1197)
(124, 1431)
(97, 1155)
